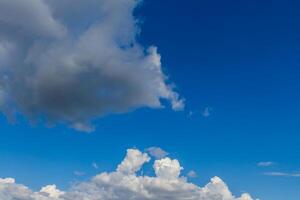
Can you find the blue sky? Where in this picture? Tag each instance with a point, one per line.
(238, 60)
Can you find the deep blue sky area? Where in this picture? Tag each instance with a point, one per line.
(238, 60)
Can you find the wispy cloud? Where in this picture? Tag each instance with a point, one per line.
(207, 112)
(190, 114)
(79, 173)
(265, 164)
(192, 174)
(282, 174)
(95, 165)
(157, 152)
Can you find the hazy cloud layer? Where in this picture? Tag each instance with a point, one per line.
(124, 184)
(72, 61)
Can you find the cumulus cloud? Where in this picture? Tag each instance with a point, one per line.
(124, 184)
(51, 191)
(73, 61)
(133, 162)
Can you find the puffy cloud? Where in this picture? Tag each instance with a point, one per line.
(167, 168)
(73, 61)
(7, 180)
(124, 183)
(157, 152)
(51, 191)
(133, 161)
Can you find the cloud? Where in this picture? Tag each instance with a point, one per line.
(190, 114)
(31, 18)
(167, 169)
(157, 152)
(192, 174)
(282, 174)
(265, 164)
(95, 165)
(59, 64)
(133, 162)
(207, 112)
(51, 191)
(124, 183)
(79, 173)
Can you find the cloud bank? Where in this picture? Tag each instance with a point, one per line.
(125, 184)
(73, 61)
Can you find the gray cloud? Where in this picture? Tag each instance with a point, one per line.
(58, 63)
(28, 18)
(157, 152)
(124, 183)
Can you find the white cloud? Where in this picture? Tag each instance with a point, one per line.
(84, 127)
(167, 169)
(133, 161)
(58, 63)
(124, 184)
(51, 191)
(265, 164)
(7, 180)
(157, 152)
(282, 174)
